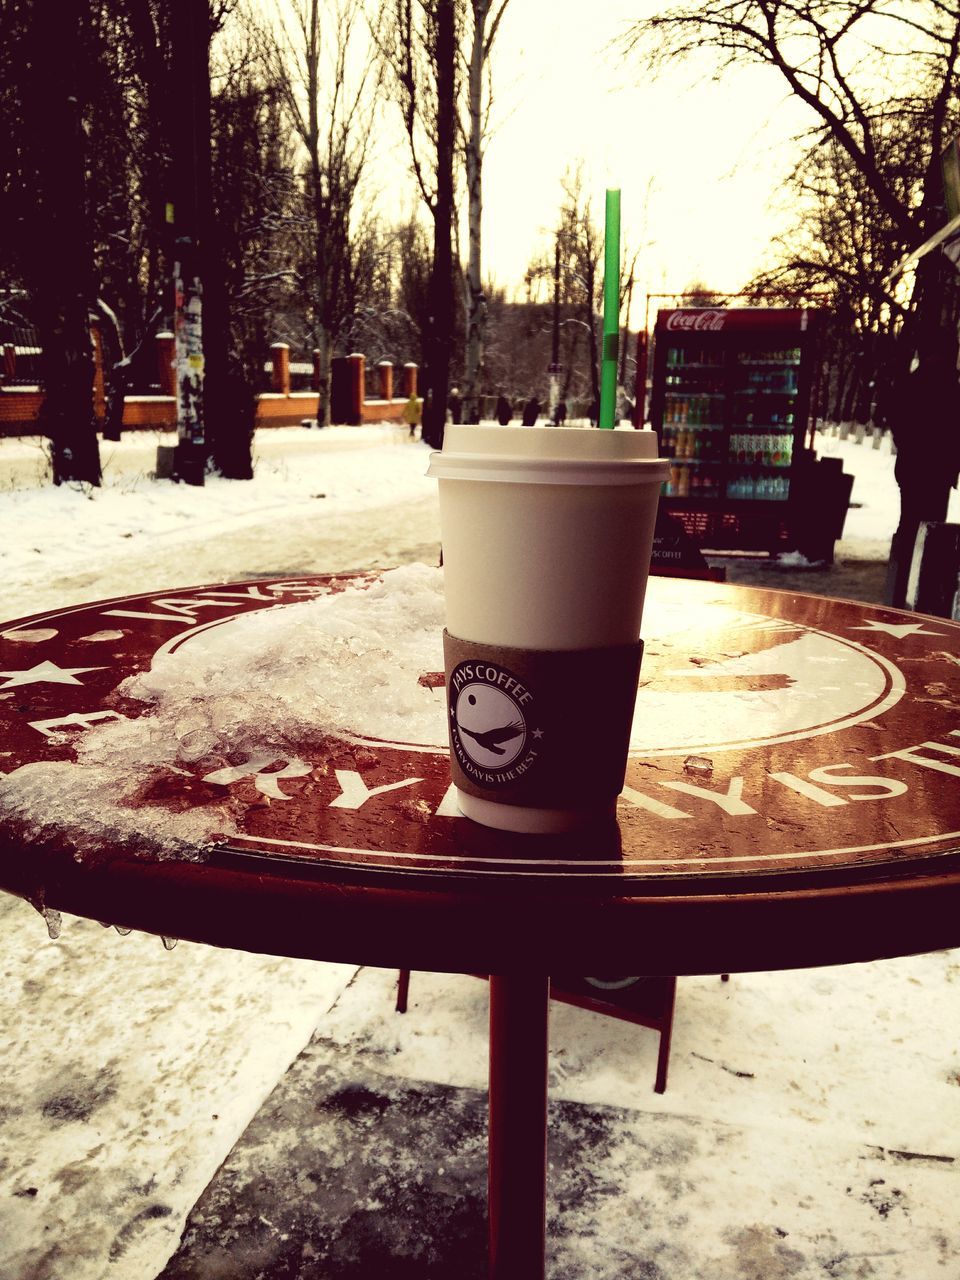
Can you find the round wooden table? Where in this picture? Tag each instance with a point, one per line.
(792, 798)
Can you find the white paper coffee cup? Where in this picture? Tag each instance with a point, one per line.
(546, 539)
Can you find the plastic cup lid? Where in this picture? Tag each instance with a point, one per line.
(548, 455)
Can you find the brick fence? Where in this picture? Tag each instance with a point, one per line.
(278, 407)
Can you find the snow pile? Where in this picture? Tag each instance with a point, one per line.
(263, 687)
(796, 560)
(346, 662)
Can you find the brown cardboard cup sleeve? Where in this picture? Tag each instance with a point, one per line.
(543, 728)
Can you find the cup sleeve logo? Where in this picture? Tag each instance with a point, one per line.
(540, 727)
(492, 721)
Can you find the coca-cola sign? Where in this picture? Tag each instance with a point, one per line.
(697, 321)
(692, 320)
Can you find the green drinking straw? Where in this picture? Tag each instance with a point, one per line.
(611, 310)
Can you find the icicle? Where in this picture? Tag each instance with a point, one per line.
(169, 943)
(54, 922)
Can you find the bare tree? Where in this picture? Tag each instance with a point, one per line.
(392, 315)
(817, 48)
(839, 255)
(420, 41)
(580, 272)
(486, 17)
(49, 189)
(329, 75)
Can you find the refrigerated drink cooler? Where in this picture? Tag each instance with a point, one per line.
(731, 396)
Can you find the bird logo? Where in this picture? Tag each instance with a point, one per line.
(488, 721)
(490, 739)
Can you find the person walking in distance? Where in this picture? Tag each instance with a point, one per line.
(561, 413)
(411, 414)
(531, 411)
(455, 405)
(504, 410)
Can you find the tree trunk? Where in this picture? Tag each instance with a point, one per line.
(625, 335)
(58, 252)
(847, 407)
(190, 147)
(228, 395)
(590, 320)
(114, 371)
(323, 391)
(441, 285)
(476, 305)
(321, 213)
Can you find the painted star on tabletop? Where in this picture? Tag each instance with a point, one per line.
(898, 629)
(45, 673)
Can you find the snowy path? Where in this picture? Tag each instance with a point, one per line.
(320, 501)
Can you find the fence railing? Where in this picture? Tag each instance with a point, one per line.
(288, 395)
(21, 356)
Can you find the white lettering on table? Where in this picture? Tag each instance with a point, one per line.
(910, 754)
(76, 720)
(640, 801)
(185, 609)
(731, 801)
(886, 787)
(354, 792)
(804, 788)
(265, 776)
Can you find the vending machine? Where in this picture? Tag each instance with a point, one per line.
(730, 403)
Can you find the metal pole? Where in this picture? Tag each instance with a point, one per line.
(517, 1136)
(555, 349)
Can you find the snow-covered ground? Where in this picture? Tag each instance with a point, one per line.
(321, 500)
(819, 1111)
(870, 525)
(333, 499)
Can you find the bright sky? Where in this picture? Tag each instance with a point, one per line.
(697, 162)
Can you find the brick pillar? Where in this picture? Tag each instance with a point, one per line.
(9, 362)
(385, 370)
(409, 380)
(280, 355)
(99, 395)
(166, 357)
(356, 364)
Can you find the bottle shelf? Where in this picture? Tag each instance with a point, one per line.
(717, 365)
(766, 364)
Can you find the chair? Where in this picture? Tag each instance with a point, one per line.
(646, 1001)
